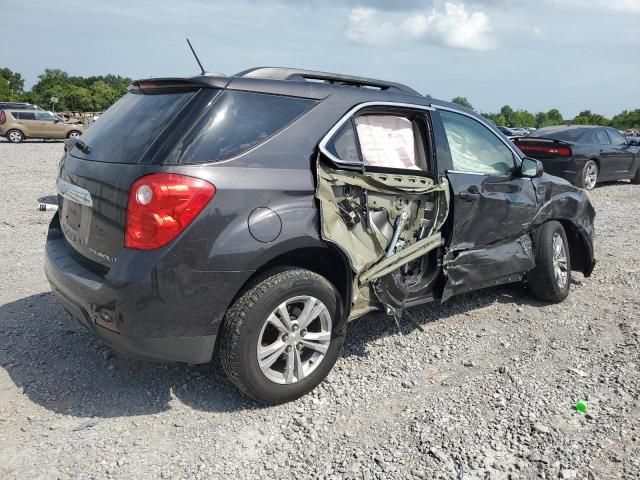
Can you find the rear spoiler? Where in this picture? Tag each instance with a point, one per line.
(203, 81)
(541, 140)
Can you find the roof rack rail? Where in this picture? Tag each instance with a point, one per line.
(283, 73)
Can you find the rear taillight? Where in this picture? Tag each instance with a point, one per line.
(161, 206)
(3, 118)
(546, 149)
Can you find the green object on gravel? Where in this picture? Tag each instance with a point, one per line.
(581, 406)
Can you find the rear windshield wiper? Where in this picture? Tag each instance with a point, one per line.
(83, 147)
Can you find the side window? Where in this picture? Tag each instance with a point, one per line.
(616, 138)
(24, 115)
(343, 144)
(602, 137)
(475, 148)
(46, 116)
(390, 141)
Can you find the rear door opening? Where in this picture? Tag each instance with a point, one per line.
(382, 205)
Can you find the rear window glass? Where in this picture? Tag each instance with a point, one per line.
(236, 122)
(569, 135)
(129, 127)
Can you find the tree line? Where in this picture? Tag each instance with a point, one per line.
(507, 116)
(97, 93)
(74, 93)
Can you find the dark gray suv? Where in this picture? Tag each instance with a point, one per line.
(259, 213)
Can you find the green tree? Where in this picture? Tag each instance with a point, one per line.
(627, 119)
(552, 117)
(522, 118)
(103, 95)
(586, 117)
(5, 90)
(462, 101)
(506, 111)
(14, 80)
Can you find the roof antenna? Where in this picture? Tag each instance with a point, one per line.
(197, 59)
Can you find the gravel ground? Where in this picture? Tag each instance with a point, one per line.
(487, 391)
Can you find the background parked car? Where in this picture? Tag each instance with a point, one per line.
(584, 155)
(18, 106)
(509, 133)
(16, 125)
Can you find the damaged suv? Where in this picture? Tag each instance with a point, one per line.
(255, 215)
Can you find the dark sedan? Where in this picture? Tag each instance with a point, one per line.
(584, 154)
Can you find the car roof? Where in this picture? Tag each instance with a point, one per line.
(315, 84)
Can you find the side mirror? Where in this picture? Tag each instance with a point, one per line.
(531, 168)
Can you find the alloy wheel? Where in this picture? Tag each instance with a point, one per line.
(591, 176)
(74, 134)
(560, 261)
(294, 339)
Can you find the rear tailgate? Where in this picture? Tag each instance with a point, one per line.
(124, 144)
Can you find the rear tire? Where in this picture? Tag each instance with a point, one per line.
(268, 323)
(550, 280)
(15, 136)
(589, 175)
(74, 134)
(636, 178)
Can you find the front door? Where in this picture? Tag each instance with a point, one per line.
(492, 208)
(624, 157)
(49, 126)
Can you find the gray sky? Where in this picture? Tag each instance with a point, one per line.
(569, 54)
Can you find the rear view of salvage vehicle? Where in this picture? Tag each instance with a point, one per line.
(253, 216)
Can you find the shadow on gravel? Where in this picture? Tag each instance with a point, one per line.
(376, 325)
(613, 183)
(51, 199)
(64, 368)
(61, 366)
(4, 140)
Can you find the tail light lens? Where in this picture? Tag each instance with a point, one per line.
(3, 118)
(546, 149)
(161, 206)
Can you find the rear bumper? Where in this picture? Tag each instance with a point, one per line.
(568, 168)
(150, 305)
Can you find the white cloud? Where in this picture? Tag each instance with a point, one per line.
(453, 26)
(366, 27)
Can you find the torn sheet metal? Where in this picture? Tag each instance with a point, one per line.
(492, 265)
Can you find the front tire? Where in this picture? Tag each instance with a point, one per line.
(74, 134)
(589, 175)
(636, 178)
(15, 136)
(550, 280)
(280, 339)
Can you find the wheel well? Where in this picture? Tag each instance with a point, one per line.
(577, 248)
(327, 261)
(16, 130)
